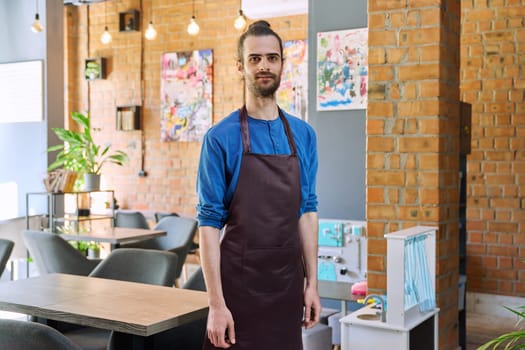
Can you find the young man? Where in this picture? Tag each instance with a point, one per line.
(256, 182)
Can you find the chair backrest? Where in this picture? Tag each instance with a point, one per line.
(159, 215)
(52, 254)
(24, 335)
(195, 281)
(131, 219)
(139, 265)
(6, 247)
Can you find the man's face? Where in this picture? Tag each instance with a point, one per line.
(262, 65)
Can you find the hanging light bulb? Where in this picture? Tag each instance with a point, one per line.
(193, 27)
(150, 33)
(37, 26)
(105, 38)
(240, 21)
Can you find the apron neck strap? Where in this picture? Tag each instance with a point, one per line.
(245, 131)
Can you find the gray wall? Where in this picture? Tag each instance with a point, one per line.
(23, 145)
(341, 134)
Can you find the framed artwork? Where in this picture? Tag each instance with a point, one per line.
(342, 69)
(292, 95)
(186, 95)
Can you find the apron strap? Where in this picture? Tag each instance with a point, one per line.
(245, 132)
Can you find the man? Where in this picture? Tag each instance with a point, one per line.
(256, 181)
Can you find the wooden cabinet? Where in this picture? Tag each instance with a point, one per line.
(128, 118)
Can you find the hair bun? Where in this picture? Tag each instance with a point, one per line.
(260, 23)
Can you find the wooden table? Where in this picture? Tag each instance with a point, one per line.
(138, 309)
(113, 235)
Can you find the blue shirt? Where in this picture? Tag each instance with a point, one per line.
(221, 155)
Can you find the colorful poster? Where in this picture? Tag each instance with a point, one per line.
(186, 95)
(292, 95)
(342, 69)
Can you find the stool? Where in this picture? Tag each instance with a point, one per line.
(325, 313)
(319, 337)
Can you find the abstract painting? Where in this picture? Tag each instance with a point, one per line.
(186, 95)
(292, 95)
(342, 69)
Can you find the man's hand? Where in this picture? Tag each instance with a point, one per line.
(312, 307)
(220, 328)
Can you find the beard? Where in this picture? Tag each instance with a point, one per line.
(260, 90)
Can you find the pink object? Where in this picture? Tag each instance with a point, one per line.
(359, 288)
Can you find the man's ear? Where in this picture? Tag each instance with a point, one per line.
(240, 68)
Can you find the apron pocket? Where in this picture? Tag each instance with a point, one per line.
(269, 270)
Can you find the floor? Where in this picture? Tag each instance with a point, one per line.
(482, 328)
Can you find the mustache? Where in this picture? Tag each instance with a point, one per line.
(265, 75)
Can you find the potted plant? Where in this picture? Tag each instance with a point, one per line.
(80, 153)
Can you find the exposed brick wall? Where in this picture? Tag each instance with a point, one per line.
(413, 134)
(493, 81)
(171, 167)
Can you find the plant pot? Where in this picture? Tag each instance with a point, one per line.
(91, 182)
(93, 253)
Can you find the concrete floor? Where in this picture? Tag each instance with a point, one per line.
(482, 328)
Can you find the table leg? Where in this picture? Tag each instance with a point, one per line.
(123, 341)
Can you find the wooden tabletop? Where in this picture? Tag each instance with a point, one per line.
(114, 235)
(133, 308)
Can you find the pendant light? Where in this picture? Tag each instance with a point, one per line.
(193, 27)
(37, 26)
(150, 33)
(240, 21)
(105, 38)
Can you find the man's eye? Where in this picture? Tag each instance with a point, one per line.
(254, 59)
(273, 58)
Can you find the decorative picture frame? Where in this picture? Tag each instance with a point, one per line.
(129, 21)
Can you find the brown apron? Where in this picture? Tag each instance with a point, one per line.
(261, 258)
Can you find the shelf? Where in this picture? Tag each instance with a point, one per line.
(128, 118)
(129, 21)
(95, 68)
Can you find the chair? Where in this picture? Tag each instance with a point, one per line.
(52, 254)
(133, 265)
(26, 335)
(180, 232)
(196, 281)
(159, 215)
(139, 265)
(6, 247)
(131, 219)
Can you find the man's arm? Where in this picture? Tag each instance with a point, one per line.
(220, 319)
(308, 227)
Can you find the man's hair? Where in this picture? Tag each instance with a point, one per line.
(259, 28)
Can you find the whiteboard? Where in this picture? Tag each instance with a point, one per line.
(21, 92)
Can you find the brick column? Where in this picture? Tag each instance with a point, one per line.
(412, 138)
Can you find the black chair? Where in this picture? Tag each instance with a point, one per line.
(26, 335)
(131, 219)
(53, 254)
(6, 247)
(180, 232)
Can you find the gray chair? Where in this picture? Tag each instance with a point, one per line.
(53, 254)
(131, 219)
(196, 281)
(139, 265)
(133, 265)
(180, 232)
(6, 247)
(161, 214)
(26, 335)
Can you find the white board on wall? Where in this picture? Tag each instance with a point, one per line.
(257, 9)
(21, 92)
